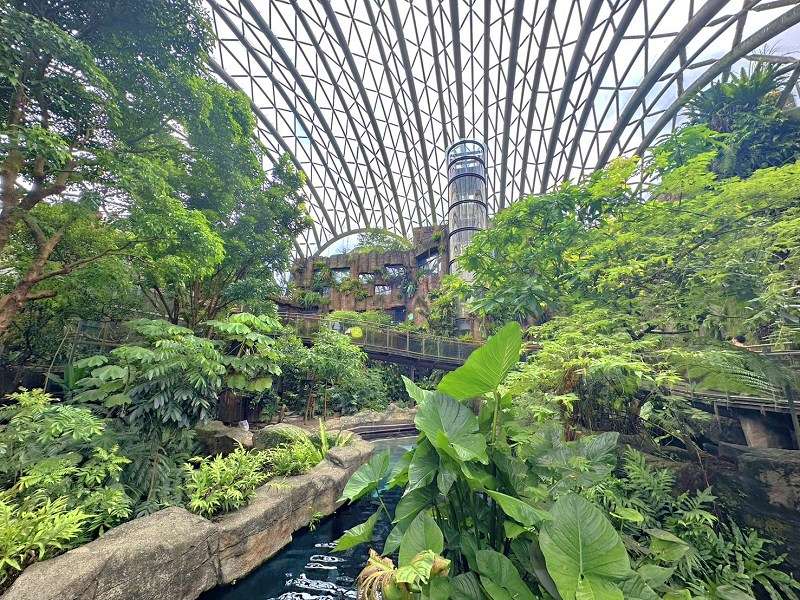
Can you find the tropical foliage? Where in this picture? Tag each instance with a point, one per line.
(132, 179)
(133, 183)
(60, 480)
(221, 484)
(643, 273)
(497, 508)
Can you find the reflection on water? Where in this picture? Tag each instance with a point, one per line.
(306, 569)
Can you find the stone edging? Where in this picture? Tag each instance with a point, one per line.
(176, 555)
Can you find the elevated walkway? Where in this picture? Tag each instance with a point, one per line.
(388, 344)
(717, 400)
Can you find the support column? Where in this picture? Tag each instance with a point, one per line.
(762, 432)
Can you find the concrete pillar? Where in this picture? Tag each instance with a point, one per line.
(762, 432)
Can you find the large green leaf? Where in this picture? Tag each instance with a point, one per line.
(478, 478)
(359, 534)
(445, 478)
(419, 395)
(466, 587)
(440, 589)
(109, 372)
(399, 475)
(393, 540)
(728, 592)
(593, 588)
(423, 466)
(367, 478)
(500, 577)
(519, 510)
(452, 428)
(411, 504)
(667, 546)
(530, 557)
(654, 575)
(582, 550)
(422, 534)
(486, 367)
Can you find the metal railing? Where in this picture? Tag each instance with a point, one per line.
(386, 340)
(722, 399)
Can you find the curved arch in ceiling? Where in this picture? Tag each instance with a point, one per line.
(365, 95)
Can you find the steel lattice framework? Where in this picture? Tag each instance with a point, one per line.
(365, 95)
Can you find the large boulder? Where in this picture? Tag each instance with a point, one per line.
(761, 489)
(276, 435)
(217, 438)
(169, 555)
(725, 429)
(777, 472)
(392, 414)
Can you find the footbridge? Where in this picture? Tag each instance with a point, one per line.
(389, 344)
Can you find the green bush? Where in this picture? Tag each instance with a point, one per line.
(61, 478)
(353, 287)
(292, 459)
(351, 317)
(224, 483)
(158, 388)
(365, 389)
(246, 344)
(35, 531)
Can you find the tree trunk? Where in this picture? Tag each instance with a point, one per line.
(14, 301)
(8, 219)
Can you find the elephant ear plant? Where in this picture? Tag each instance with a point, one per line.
(482, 516)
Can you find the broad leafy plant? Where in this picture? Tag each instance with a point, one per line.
(510, 509)
(486, 503)
(159, 388)
(247, 345)
(171, 378)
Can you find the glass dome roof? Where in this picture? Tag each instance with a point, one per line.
(366, 95)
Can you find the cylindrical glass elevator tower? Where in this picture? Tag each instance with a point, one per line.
(466, 186)
(467, 210)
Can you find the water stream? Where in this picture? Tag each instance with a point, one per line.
(307, 569)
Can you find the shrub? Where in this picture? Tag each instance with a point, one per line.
(61, 473)
(224, 483)
(246, 345)
(349, 318)
(292, 459)
(353, 287)
(35, 531)
(159, 388)
(365, 389)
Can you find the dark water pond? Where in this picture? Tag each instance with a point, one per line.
(307, 569)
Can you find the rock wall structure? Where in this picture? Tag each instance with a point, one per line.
(384, 277)
(176, 555)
